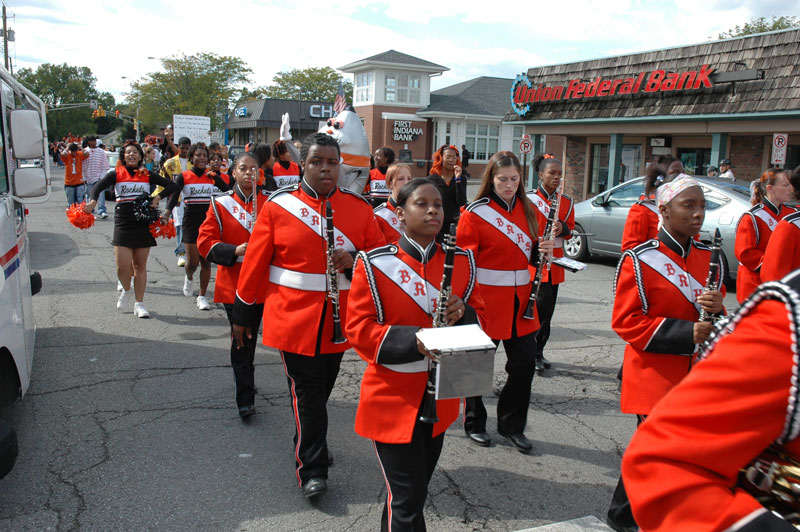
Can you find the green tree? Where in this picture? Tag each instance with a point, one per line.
(760, 25)
(58, 85)
(203, 84)
(312, 83)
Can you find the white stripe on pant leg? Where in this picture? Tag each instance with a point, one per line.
(388, 487)
(296, 420)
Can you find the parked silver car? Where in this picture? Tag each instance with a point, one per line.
(601, 219)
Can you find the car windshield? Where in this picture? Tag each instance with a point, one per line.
(732, 188)
(626, 195)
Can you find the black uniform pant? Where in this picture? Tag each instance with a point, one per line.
(244, 374)
(512, 406)
(407, 468)
(619, 512)
(311, 381)
(546, 305)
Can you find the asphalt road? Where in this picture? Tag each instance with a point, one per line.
(131, 424)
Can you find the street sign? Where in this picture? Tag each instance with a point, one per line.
(779, 143)
(525, 145)
(93, 104)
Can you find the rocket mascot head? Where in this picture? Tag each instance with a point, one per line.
(349, 132)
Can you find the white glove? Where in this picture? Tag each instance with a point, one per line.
(285, 127)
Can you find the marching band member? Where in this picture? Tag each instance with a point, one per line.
(287, 258)
(641, 224)
(500, 228)
(223, 240)
(378, 185)
(446, 174)
(549, 170)
(658, 297)
(196, 186)
(755, 228)
(132, 239)
(783, 250)
(683, 463)
(385, 310)
(397, 175)
(285, 171)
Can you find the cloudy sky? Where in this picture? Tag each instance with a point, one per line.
(472, 38)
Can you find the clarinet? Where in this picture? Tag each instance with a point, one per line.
(333, 279)
(549, 232)
(714, 279)
(428, 410)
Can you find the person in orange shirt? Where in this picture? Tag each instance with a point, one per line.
(74, 185)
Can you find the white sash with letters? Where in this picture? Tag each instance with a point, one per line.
(667, 268)
(237, 211)
(423, 293)
(391, 218)
(306, 214)
(506, 227)
(540, 203)
(767, 218)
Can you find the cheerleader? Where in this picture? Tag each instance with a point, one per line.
(285, 171)
(222, 239)
(658, 297)
(197, 187)
(783, 250)
(378, 186)
(132, 239)
(397, 175)
(447, 175)
(755, 227)
(385, 311)
(549, 170)
(500, 228)
(641, 224)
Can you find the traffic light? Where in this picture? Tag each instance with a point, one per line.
(100, 111)
(94, 113)
(117, 113)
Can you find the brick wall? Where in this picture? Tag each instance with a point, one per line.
(746, 154)
(574, 168)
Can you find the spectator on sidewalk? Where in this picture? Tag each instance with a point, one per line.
(172, 169)
(95, 167)
(74, 186)
(725, 169)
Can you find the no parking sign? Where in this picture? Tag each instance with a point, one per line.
(525, 145)
(779, 143)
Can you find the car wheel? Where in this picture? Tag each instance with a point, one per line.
(577, 247)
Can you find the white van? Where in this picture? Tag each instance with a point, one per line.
(24, 178)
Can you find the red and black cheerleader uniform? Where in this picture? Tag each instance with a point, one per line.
(197, 190)
(683, 462)
(129, 184)
(548, 289)
(394, 293)
(390, 224)
(286, 260)
(753, 233)
(498, 235)
(228, 224)
(378, 191)
(286, 173)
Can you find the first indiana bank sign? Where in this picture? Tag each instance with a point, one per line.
(525, 92)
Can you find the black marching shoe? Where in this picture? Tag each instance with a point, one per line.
(481, 438)
(314, 487)
(519, 441)
(539, 364)
(619, 527)
(330, 458)
(246, 411)
(546, 363)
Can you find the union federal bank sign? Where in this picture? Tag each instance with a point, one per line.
(525, 92)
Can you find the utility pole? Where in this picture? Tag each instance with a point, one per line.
(5, 39)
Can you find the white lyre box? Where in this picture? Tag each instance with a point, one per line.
(466, 360)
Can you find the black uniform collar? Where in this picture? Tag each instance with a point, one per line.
(500, 201)
(543, 192)
(195, 171)
(671, 243)
(771, 206)
(416, 251)
(313, 193)
(392, 202)
(238, 191)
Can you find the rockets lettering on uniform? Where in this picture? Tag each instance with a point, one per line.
(667, 268)
(507, 227)
(286, 180)
(377, 185)
(422, 292)
(303, 212)
(199, 190)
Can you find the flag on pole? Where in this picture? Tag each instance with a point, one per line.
(340, 102)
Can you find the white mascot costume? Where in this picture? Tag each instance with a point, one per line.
(349, 132)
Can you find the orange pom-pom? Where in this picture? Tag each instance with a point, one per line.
(79, 218)
(163, 230)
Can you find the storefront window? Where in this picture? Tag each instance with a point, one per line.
(482, 140)
(695, 160)
(447, 127)
(364, 87)
(516, 139)
(630, 162)
(402, 88)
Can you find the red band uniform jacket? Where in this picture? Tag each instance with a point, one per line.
(287, 252)
(753, 233)
(228, 224)
(394, 293)
(498, 235)
(782, 255)
(681, 467)
(390, 224)
(657, 284)
(541, 201)
(641, 224)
